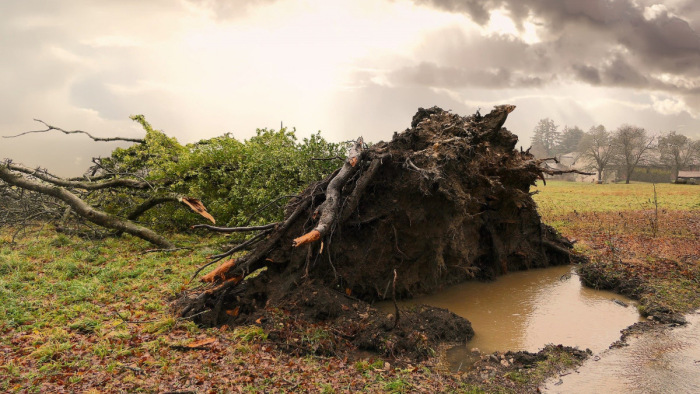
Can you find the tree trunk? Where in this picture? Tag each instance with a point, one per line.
(84, 210)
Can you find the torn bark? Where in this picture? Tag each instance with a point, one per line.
(328, 211)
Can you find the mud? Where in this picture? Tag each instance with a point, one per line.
(597, 275)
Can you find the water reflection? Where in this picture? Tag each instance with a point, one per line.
(526, 310)
(654, 362)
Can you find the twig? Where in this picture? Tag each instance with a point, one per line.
(124, 320)
(164, 250)
(249, 242)
(393, 296)
(49, 128)
(257, 211)
(328, 158)
(231, 251)
(235, 229)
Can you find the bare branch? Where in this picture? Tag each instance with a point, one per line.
(152, 202)
(326, 158)
(560, 172)
(329, 209)
(49, 128)
(47, 177)
(235, 229)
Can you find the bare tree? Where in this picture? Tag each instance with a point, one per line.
(596, 146)
(678, 151)
(631, 144)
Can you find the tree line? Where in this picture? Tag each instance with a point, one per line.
(624, 149)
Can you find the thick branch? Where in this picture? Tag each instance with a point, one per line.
(49, 128)
(151, 203)
(328, 211)
(353, 200)
(46, 177)
(84, 210)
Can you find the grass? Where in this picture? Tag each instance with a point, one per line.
(77, 315)
(559, 197)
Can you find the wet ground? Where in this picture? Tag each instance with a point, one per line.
(657, 361)
(529, 309)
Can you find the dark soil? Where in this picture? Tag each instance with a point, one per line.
(449, 201)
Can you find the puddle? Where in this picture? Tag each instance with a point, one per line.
(529, 309)
(654, 362)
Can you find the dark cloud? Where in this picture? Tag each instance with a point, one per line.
(616, 43)
(664, 39)
(586, 73)
(431, 74)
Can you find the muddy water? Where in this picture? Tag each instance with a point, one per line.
(664, 361)
(529, 309)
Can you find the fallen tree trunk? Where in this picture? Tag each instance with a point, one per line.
(445, 201)
(84, 210)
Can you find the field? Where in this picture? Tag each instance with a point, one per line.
(643, 239)
(93, 316)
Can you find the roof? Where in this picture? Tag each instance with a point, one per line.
(689, 174)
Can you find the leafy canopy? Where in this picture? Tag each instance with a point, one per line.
(233, 179)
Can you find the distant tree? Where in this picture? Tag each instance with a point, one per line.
(596, 146)
(678, 151)
(631, 144)
(569, 140)
(546, 138)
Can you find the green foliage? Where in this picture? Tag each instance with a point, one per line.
(570, 140)
(232, 178)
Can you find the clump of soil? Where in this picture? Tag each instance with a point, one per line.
(522, 371)
(445, 201)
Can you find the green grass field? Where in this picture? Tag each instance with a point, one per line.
(558, 197)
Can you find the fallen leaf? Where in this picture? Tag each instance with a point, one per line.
(202, 342)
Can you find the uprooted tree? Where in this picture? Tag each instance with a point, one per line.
(444, 201)
(136, 190)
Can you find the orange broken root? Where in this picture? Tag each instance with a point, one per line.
(220, 272)
(228, 282)
(309, 237)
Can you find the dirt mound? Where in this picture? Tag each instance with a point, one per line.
(444, 201)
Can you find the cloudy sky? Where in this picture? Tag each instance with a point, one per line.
(201, 68)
